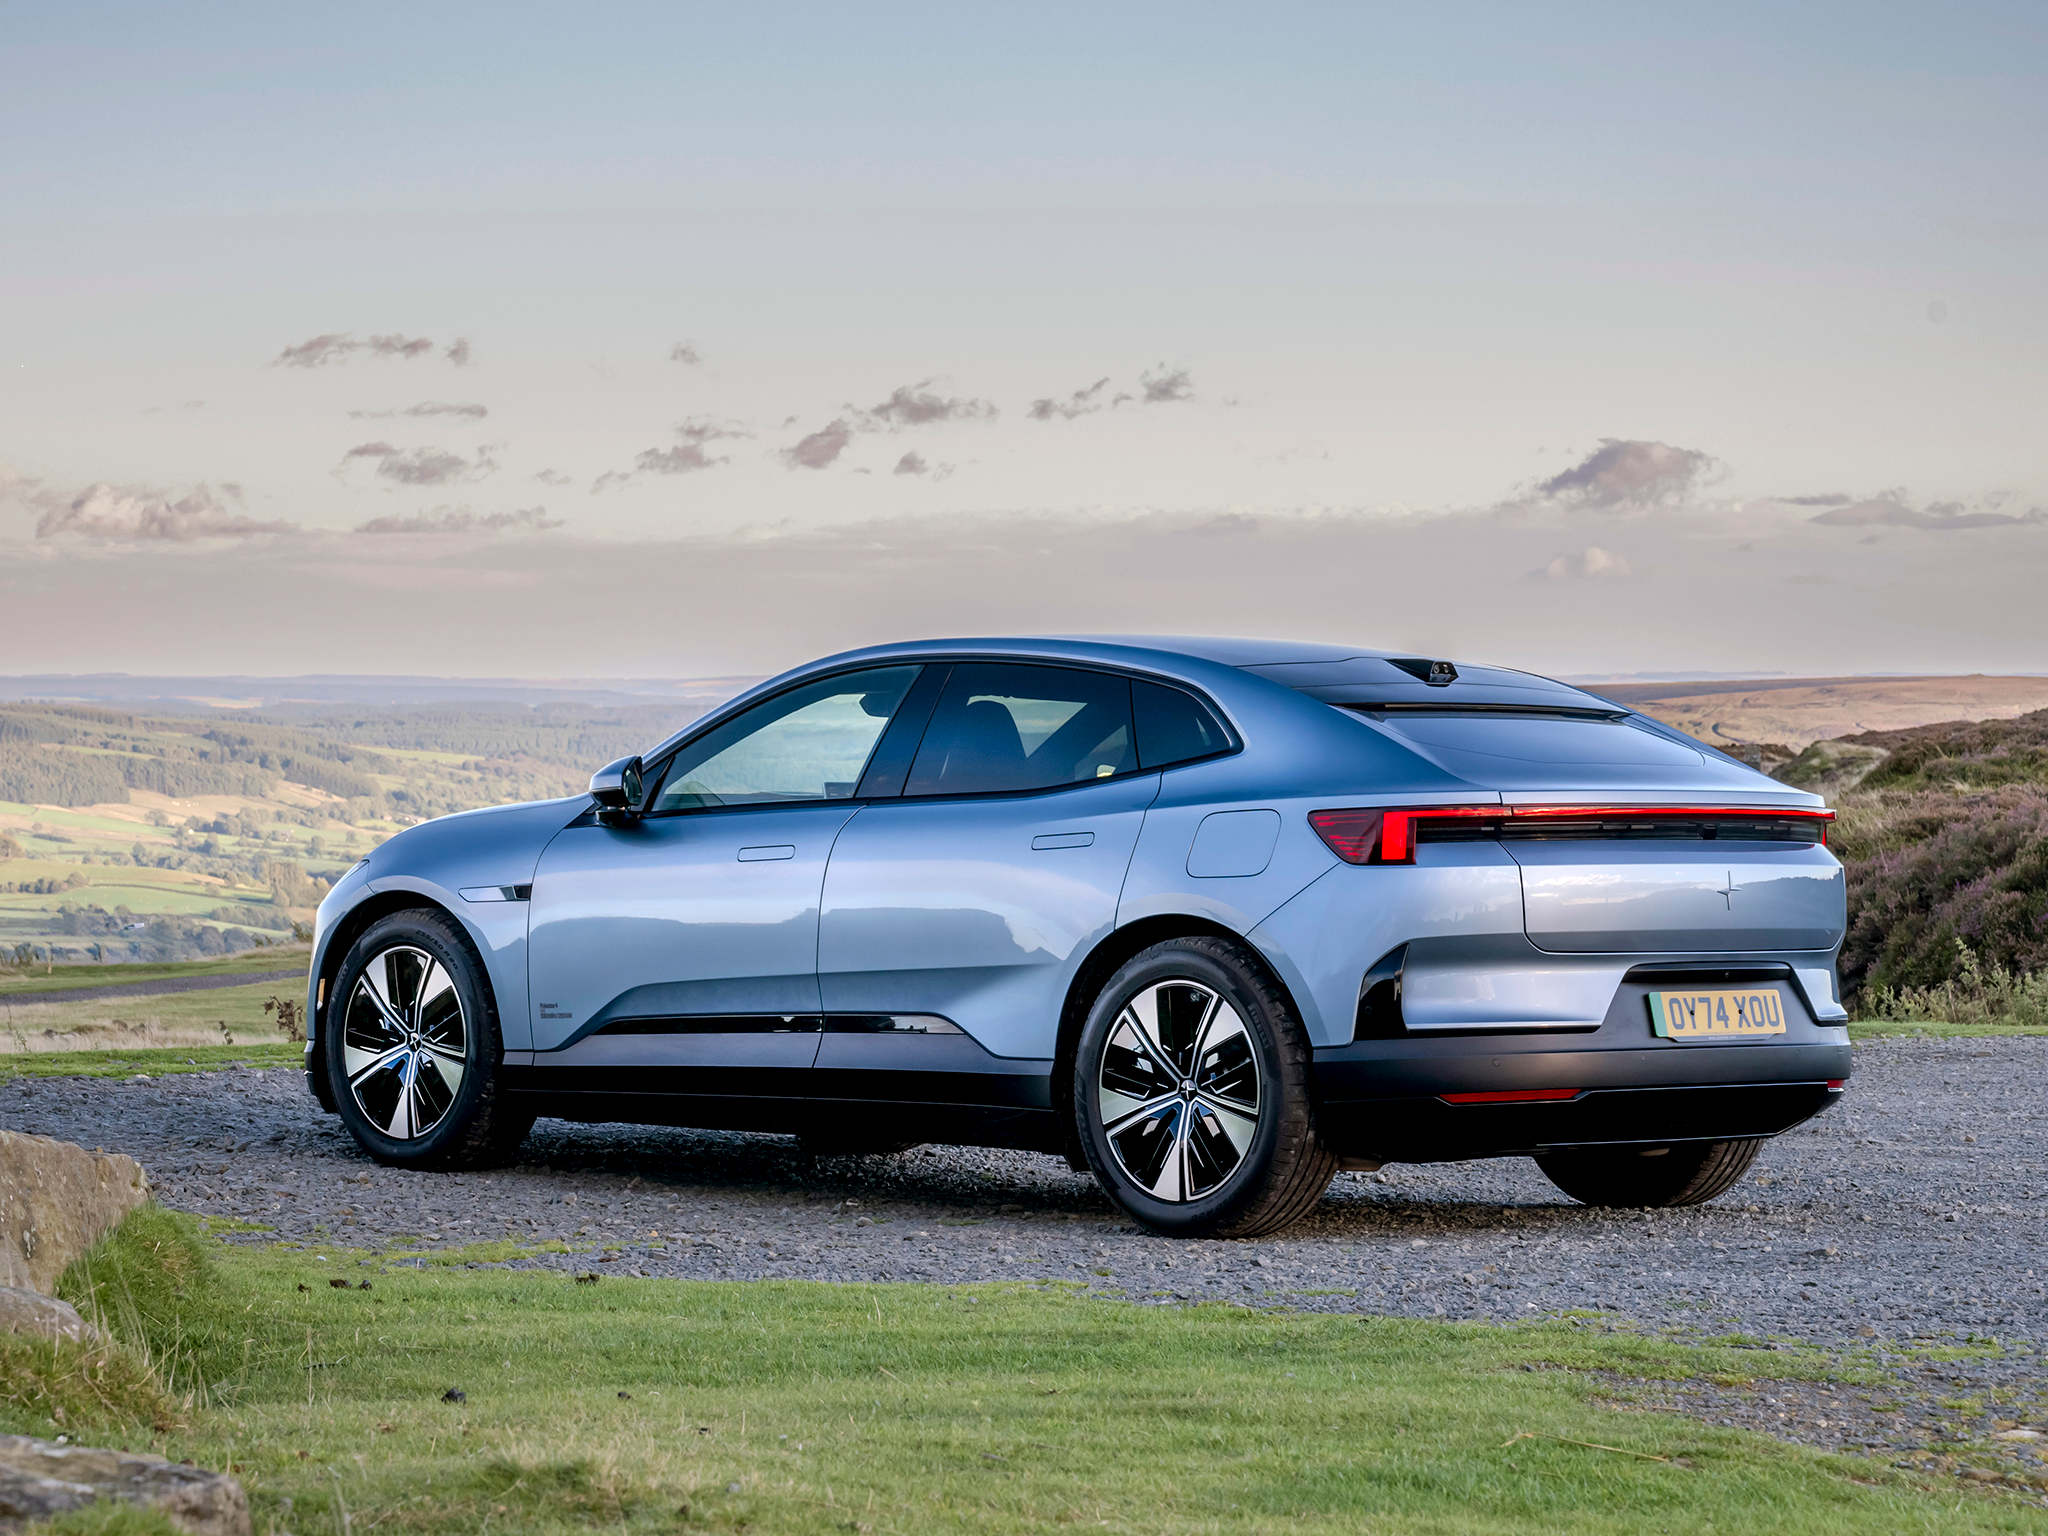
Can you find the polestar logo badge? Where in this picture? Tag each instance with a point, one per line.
(1730, 891)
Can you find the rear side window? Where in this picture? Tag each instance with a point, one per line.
(1174, 727)
(1001, 726)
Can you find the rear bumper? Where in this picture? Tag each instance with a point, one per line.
(1384, 1099)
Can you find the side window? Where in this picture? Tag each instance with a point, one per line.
(807, 744)
(1001, 726)
(1174, 727)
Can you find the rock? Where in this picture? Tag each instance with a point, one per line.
(2019, 1434)
(56, 1201)
(32, 1312)
(40, 1480)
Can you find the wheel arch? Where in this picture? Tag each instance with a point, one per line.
(374, 909)
(1103, 962)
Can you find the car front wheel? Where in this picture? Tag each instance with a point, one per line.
(1192, 1094)
(412, 1048)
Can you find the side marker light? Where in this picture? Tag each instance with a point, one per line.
(1524, 1096)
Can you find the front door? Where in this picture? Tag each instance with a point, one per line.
(676, 952)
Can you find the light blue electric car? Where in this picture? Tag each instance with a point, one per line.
(1210, 918)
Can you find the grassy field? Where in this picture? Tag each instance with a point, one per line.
(140, 1026)
(456, 1400)
(60, 978)
(1934, 1029)
(113, 1061)
(226, 826)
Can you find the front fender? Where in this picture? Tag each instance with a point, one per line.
(490, 855)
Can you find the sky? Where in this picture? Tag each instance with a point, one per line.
(681, 340)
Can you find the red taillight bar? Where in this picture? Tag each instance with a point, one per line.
(1523, 1096)
(1358, 834)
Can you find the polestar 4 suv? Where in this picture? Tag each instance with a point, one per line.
(1210, 918)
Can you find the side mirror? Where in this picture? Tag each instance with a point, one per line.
(616, 788)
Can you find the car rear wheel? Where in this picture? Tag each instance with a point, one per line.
(1191, 1094)
(1688, 1174)
(412, 1048)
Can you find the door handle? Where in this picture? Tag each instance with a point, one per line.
(769, 851)
(1063, 840)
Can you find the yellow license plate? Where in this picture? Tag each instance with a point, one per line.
(1723, 1013)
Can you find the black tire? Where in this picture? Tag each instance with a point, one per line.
(1203, 1067)
(1690, 1173)
(403, 1110)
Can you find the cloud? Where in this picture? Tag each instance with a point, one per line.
(134, 514)
(1834, 499)
(461, 520)
(318, 352)
(339, 346)
(425, 408)
(1163, 387)
(1082, 402)
(914, 405)
(1156, 386)
(1591, 563)
(819, 449)
(553, 477)
(1624, 474)
(1888, 509)
(399, 346)
(688, 455)
(686, 353)
(422, 466)
(914, 463)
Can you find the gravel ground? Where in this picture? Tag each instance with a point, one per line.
(1901, 1223)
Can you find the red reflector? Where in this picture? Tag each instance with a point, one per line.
(1351, 835)
(1525, 1096)
(1837, 1084)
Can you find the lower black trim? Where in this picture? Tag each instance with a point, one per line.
(1427, 1130)
(917, 1074)
(716, 1024)
(777, 1024)
(964, 1125)
(1380, 1100)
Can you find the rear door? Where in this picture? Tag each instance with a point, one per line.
(974, 896)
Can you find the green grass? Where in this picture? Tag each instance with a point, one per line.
(79, 821)
(793, 1407)
(142, 900)
(241, 1006)
(275, 958)
(149, 1063)
(1929, 1029)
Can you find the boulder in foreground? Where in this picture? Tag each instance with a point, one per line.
(56, 1201)
(40, 1480)
(44, 1317)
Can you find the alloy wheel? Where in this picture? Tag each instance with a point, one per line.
(404, 1042)
(1178, 1090)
